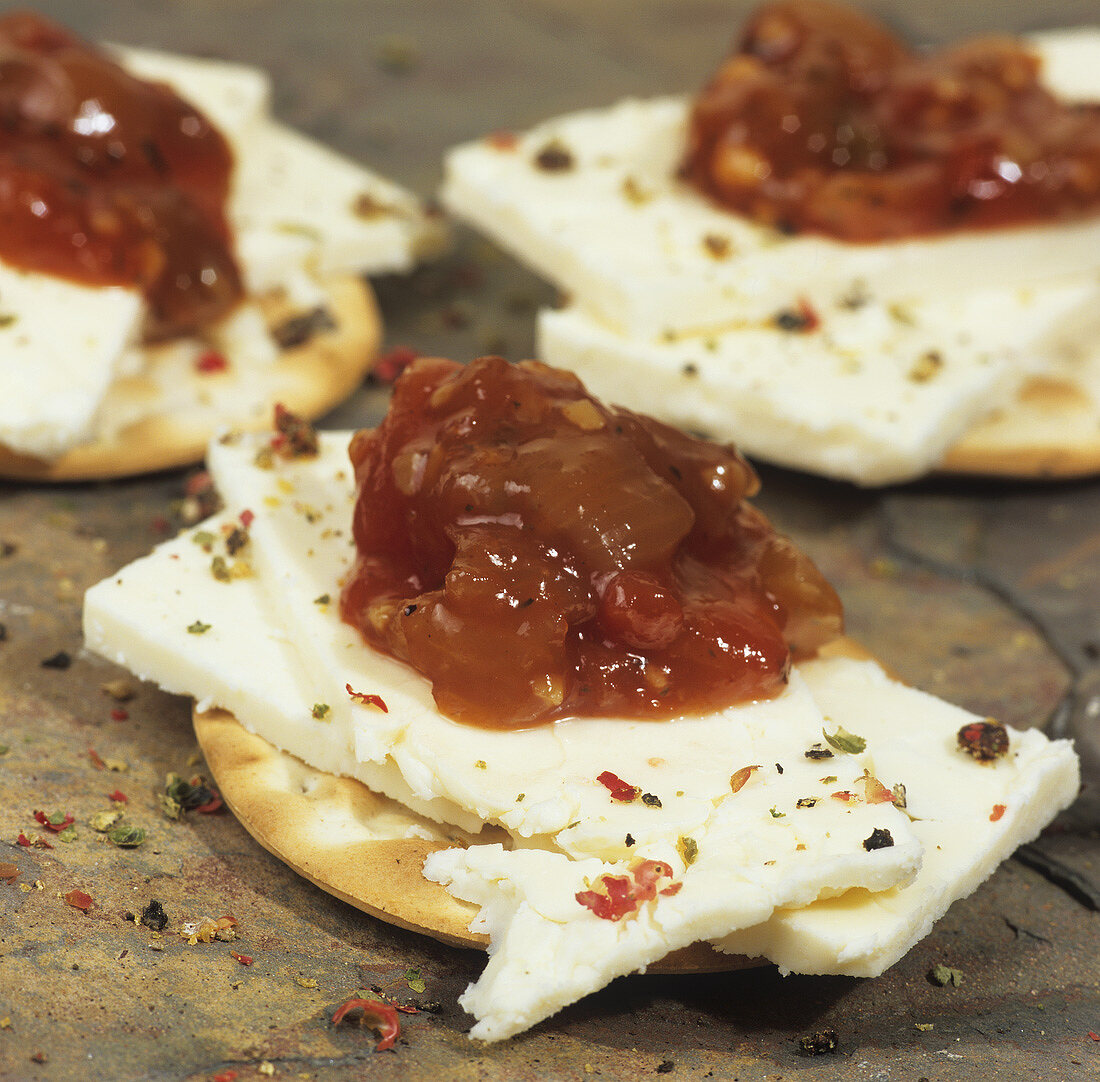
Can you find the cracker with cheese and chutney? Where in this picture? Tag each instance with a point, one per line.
(849, 256)
(173, 260)
(524, 671)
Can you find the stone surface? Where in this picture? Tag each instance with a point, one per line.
(986, 594)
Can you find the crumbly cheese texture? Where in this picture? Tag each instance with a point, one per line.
(300, 213)
(258, 633)
(910, 343)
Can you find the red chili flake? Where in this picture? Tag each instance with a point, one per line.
(740, 777)
(619, 789)
(225, 1076)
(32, 843)
(161, 525)
(1094, 1036)
(996, 813)
(294, 436)
(244, 959)
(97, 762)
(874, 792)
(211, 361)
(376, 1014)
(406, 1008)
(212, 805)
(984, 740)
(118, 797)
(56, 822)
(200, 483)
(247, 518)
(367, 699)
(390, 365)
(502, 140)
(845, 796)
(119, 714)
(810, 319)
(620, 897)
(79, 900)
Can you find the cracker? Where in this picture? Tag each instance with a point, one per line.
(356, 845)
(1051, 430)
(309, 378)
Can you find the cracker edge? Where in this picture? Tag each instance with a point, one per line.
(315, 377)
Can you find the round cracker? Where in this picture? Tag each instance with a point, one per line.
(309, 379)
(1051, 430)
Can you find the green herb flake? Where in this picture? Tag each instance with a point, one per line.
(126, 836)
(220, 570)
(198, 628)
(829, 779)
(67, 835)
(4, 749)
(844, 741)
(102, 821)
(944, 975)
(776, 814)
(414, 980)
(205, 539)
(324, 599)
(321, 710)
(688, 849)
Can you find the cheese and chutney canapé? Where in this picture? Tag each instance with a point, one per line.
(106, 179)
(823, 122)
(538, 555)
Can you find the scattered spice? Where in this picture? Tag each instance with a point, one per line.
(900, 800)
(717, 246)
(119, 689)
(415, 981)
(32, 842)
(60, 660)
(926, 366)
(79, 900)
(739, 777)
(198, 628)
(381, 1017)
(210, 361)
(666, 1066)
(194, 795)
(153, 916)
(819, 751)
(294, 436)
(802, 319)
(620, 895)
(118, 796)
(806, 802)
(119, 714)
(554, 157)
(103, 821)
(390, 365)
(97, 762)
(324, 599)
(880, 838)
(39, 1057)
(56, 822)
(651, 801)
(874, 792)
(996, 813)
(4, 749)
(502, 140)
(306, 982)
(688, 848)
(126, 836)
(776, 813)
(298, 330)
(225, 1076)
(620, 790)
(944, 975)
(983, 740)
(820, 1043)
(243, 959)
(844, 741)
(367, 699)
(320, 711)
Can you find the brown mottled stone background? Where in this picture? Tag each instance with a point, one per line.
(986, 594)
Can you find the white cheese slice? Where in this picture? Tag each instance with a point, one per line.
(61, 346)
(644, 252)
(300, 213)
(272, 646)
(875, 395)
(969, 817)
